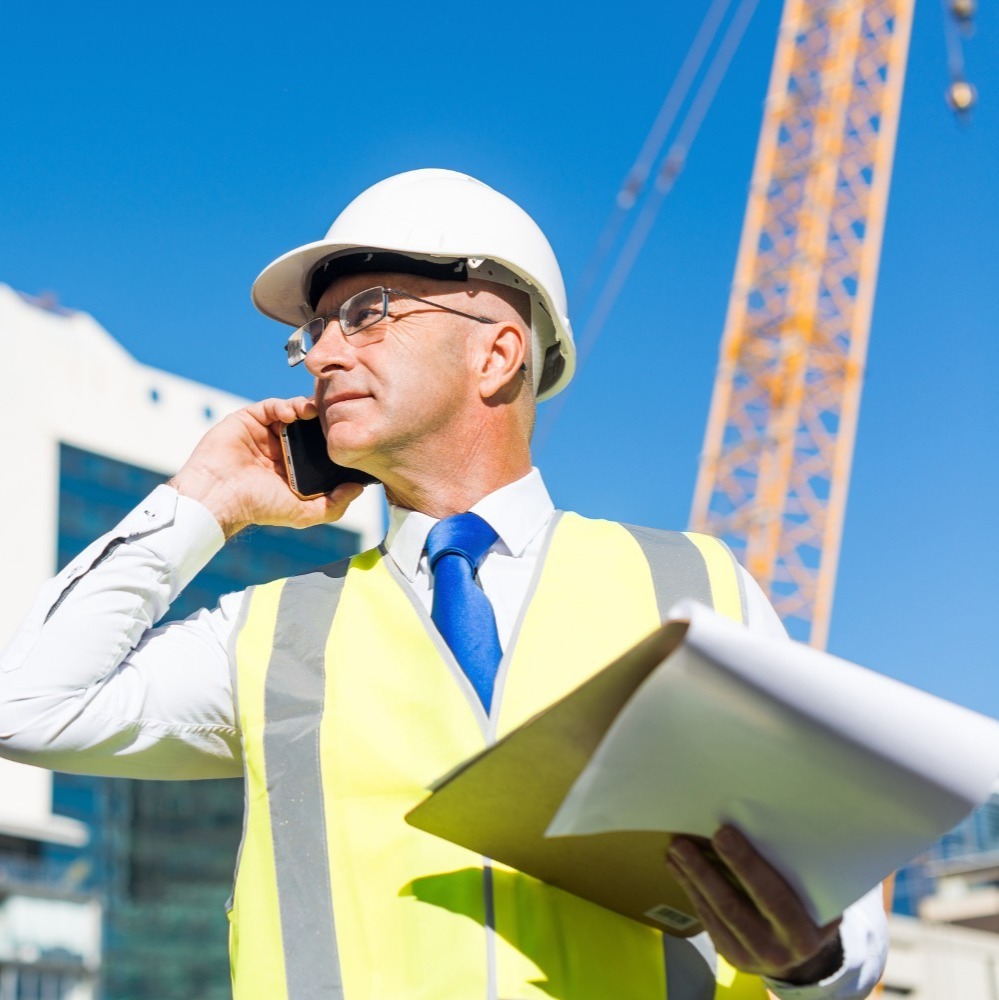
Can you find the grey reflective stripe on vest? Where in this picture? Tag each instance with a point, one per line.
(691, 967)
(743, 599)
(678, 568)
(678, 571)
(293, 707)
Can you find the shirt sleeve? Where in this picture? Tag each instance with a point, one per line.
(864, 930)
(88, 685)
(864, 935)
(760, 614)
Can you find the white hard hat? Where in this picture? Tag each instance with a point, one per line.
(438, 223)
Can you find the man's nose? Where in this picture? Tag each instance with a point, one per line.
(332, 352)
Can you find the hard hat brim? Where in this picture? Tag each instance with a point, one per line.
(281, 289)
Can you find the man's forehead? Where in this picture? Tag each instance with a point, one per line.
(344, 287)
(381, 262)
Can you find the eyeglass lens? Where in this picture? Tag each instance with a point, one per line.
(363, 309)
(358, 313)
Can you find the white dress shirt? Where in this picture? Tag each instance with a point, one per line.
(87, 685)
(519, 513)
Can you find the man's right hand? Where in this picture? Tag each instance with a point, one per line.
(237, 471)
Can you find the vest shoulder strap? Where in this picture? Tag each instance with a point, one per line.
(688, 564)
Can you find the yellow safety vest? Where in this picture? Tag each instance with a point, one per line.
(350, 705)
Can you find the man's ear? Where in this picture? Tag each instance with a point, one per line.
(503, 358)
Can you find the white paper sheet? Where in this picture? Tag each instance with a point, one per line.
(837, 774)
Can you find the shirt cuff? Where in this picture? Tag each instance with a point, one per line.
(826, 989)
(863, 960)
(182, 532)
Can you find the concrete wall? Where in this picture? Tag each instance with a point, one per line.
(940, 962)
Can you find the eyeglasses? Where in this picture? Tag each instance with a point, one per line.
(361, 312)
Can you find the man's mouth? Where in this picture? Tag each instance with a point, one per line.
(343, 397)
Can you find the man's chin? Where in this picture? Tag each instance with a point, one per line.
(350, 454)
(359, 445)
(351, 460)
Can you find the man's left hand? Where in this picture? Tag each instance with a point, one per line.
(754, 917)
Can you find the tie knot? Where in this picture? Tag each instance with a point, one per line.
(465, 535)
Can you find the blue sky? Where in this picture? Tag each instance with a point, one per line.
(155, 158)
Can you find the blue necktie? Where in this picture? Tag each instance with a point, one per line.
(461, 611)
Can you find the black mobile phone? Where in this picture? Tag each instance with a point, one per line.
(311, 471)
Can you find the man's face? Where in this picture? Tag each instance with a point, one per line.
(378, 399)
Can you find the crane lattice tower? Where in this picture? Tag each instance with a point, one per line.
(779, 443)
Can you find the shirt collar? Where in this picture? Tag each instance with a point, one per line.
(517, 512)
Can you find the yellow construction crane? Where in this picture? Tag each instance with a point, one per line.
(779, 443)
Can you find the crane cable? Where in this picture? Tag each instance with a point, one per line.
(636, 177)
(671, 166)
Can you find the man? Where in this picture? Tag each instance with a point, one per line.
(432, 317)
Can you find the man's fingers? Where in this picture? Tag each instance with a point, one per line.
(343, 496)
(285, 411)
(733, 909)
(725, 941)
(237, 470)
(756, 920)
(710, 881)
(330, 507)
(262, 423)
(305, 407)
(768, 889)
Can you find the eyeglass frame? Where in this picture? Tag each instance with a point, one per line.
(301, 331)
